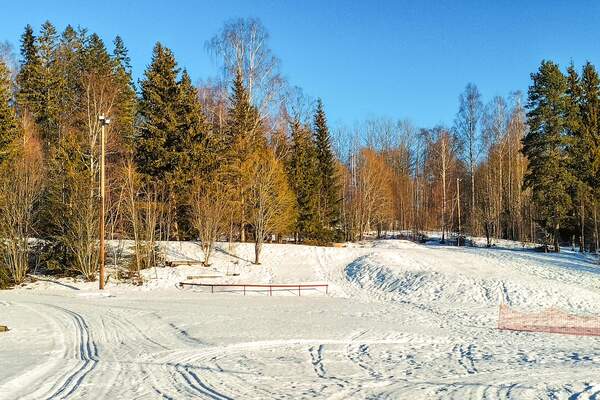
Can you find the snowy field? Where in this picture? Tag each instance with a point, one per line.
(400, 321)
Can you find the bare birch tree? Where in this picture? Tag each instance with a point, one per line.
(21, 180)
(467, 127)
(210, 210)
(242, 47)
(144, 208)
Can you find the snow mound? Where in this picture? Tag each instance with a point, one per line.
(450, 278)
(420, 286)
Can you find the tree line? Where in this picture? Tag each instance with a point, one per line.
(507, 169)
(464, 179)
(246, 156)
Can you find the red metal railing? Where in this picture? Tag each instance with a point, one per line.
(299, 287)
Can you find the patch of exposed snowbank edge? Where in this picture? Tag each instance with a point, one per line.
(382, 283)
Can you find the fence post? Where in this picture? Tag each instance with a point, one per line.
(244, 290)
(298, 290)
(212, 288)
(270, 290)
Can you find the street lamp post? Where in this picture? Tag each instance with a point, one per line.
(104, 121)
(458, 207)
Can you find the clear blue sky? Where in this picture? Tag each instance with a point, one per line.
(402, 59)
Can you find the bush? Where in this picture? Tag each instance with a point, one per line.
(4, 281)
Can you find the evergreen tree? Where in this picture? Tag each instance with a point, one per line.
(171, 139)
(29, 79)
(48, 118)
(590, 124)
(243, 137)
(577, 149)
(305, 180)
(329, 212)
(573, 124)
(121, 55)
(8, 120)
(192, 131)
(124, 116)
(243, 124)
(159, 124)
(69, 70)
(192, 161)
(95, 57)
(548, 174)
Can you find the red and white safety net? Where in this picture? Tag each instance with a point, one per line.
(551, 320)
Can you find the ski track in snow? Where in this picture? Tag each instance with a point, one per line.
(430, 333)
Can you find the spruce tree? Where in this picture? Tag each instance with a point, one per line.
(305, 180)
(548, 174)
(243, 125)
(29, 79)
(573, 125)
(124, 118)
(243, 137)
(95, 57)
(192, 132)
(577, 151)
(121, 55)
(159, 125)
(8, 121)
(329, 212)
(48, 118)
(68, 71)
(590, 124)
(169, 144)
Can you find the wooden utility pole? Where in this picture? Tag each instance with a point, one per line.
(103, 123)
(582, 223)
(458, 208)
(596, 239)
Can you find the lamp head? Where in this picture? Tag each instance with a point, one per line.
(104, 120)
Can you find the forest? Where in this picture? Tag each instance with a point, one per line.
(247, 156)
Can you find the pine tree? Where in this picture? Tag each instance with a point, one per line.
(548, 174)
(305, 180)
(158, 115)
(8, 121)
(329, 212)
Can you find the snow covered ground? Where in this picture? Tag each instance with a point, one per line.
(401, 321)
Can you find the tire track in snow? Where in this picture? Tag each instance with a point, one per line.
(316, 355)
(85, 351)
(465, 357)
(194, 381)
(129, 344)
(359, 354)
(144, 351)
(186, 368)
